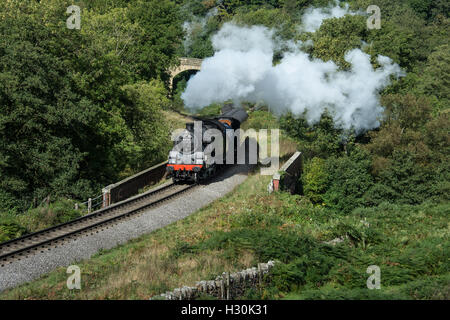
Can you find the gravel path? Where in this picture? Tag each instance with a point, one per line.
(84, 247)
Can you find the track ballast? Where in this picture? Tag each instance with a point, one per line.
(92, 223)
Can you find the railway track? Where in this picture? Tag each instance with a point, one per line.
(46, 239)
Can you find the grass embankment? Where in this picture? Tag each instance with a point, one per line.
(409, 244)
(14, 225)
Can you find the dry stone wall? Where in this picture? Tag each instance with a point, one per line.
(226, 286)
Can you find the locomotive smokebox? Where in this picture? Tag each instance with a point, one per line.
(193, 165)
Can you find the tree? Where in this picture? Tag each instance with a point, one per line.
(315, 180)
(350, 179)
(404, 37)
(160, 39)
(276, 19)
(42, 115)
(322, 139)
(436, 77)
(64, 120)
(149, 142)
(112, 33)
(408, 111)
(337, 36)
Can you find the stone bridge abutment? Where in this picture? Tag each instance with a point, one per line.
(185, 65)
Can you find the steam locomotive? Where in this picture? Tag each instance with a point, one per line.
(188, 161)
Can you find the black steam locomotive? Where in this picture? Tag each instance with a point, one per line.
(188, 160)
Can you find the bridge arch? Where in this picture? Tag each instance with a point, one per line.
(185, 65)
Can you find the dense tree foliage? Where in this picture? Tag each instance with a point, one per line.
(406, 159)
(80, 106)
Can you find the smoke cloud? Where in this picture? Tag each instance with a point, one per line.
(313, 17)
(196, 24)
(242, 70)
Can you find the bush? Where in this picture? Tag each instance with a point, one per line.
(378, 194)
(359, 232)
(268, 244)
(10, 229)
(435, 288)
(405, 181)
(43, 217)
(321, 140)
(312, 269)
(343, 293)
(315, 180)
(349, 180)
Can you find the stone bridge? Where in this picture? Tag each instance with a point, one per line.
(185, 65)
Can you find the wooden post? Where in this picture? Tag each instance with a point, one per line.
(106, 197)
(47, 200)
(89, 205)
(276, 182)
(276, 185)
(76, 206)
(228, 286)
(259, 276)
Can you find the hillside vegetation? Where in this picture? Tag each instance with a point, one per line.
(408, 242)
(82, 109)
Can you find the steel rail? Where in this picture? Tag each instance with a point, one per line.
(16, 248)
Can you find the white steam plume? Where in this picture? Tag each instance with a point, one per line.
(242, 70)
(313, 17)
(196, 24)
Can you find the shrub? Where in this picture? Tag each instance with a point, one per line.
(405, 181)
(359, 232)
(312, 269)
(378, 194)
(315, 180)
(268, 244)
(46, 216)
(10, 229)
(344, 293)
(349, 179)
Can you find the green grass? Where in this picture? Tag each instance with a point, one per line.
(14, 225)
(409, 244)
